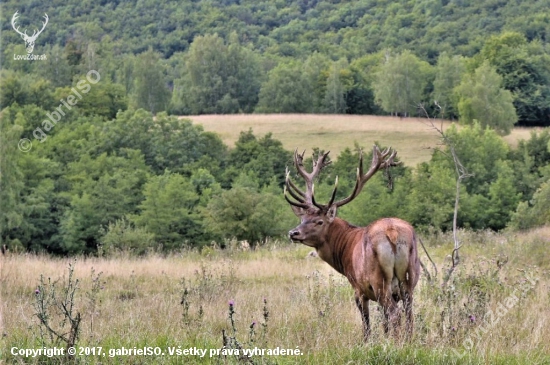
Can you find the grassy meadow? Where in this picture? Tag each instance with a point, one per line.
(413, 138)
(494, 310)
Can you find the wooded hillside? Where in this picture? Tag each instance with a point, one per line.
(92, 156)
(299, 56)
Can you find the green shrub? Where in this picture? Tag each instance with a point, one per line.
(123, 236)
(534, 213)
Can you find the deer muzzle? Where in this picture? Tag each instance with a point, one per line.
(294, 235)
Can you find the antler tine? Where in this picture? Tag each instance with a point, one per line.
(296, 193)
(320, 206)
(292, 186)
(293, 190)
(297, 204)
(13, 21)
(333, 192)
(390, 162)
(43, 25)
(319, 164)
(299, 163)
(14, 18)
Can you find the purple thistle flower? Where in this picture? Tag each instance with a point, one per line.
(472, 318)
(231, 303)
(37, 291)
(453, 329)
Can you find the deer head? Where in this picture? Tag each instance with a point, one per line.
(316, 218)
(29, 40)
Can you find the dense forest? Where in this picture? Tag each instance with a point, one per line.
(356, 57)
(112, 168)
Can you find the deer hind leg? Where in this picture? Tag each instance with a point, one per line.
(392, 315)
(384, 284)
(407, 296)
(363, 306)
(384, 294)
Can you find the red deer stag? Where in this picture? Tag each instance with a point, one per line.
(380, 260)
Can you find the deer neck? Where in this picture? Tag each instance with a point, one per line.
(337, 249)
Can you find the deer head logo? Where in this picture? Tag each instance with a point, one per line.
(29, 40)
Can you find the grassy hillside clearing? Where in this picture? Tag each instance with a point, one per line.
(413, 138)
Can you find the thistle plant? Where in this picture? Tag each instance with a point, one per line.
(55, 308)
(243, 350)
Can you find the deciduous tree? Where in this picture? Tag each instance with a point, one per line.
(286, 90)
(150, 90)
(448, 75)
(400, 84)
(482, 98)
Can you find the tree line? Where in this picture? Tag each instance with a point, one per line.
(140, 182)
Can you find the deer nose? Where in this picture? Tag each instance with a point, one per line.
(293, 233)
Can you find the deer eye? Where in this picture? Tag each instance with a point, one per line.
(320, 223)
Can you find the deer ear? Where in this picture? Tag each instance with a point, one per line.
(331, 213)
(298, 210)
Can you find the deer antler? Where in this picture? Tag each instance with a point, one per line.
(35, 35)
(306, 199)
(380, 161)
(13, 20)
(25, 35)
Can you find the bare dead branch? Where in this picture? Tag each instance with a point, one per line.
(461, 174)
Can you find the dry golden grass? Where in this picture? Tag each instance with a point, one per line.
(310, 306)
(412, 137)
